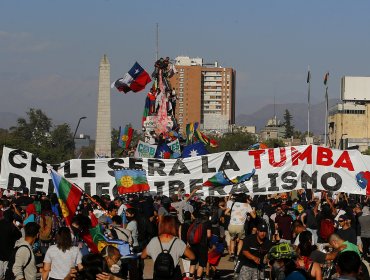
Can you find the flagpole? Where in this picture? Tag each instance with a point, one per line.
(77, 186)
(326, 114)
(326, 80)
(309, 105)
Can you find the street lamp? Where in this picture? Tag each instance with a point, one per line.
(78, 124)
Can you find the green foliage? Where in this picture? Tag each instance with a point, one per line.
(36, 134)
(289, 127)
(274, 143)
(118, 151)
(114, 144)
(237, 141)
(87, 152)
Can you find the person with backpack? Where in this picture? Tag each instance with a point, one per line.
(166, 250)
(49, 225)
(22, 260)
(117, 231)
(199, 232)
(325, 221)
(284, 223)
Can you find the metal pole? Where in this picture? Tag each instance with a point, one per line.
(78, 124)
(326, 115)
(309, 104)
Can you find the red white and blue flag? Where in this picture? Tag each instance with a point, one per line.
(135, 79)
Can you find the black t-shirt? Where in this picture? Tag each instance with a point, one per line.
(9, 235)
(318, 256)
(206, 226)
(23, 201)
(257, 249)
(348, 235)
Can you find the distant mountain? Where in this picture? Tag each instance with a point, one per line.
(8, 119)
(298, 112)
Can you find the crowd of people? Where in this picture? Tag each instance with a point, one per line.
(298, 235)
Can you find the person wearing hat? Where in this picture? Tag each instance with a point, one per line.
(282, 259)
(346, 232)
(255, 248)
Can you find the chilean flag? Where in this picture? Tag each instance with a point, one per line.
(136, 79)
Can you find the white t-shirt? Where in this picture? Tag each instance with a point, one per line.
(121, 209)
(181, 206)
(61, 262)
(239, 212)
(132, 226)
(154, 249)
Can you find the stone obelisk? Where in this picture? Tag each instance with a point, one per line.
(103, 123)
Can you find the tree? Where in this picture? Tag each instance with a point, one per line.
(88, 152)
(118, 151)
(289, 128)
(274, 143)
(233, 142)
(37, 135)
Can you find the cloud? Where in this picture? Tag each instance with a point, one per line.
(22, 42)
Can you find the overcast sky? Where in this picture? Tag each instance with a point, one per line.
(50, 50)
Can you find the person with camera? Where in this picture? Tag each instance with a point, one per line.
(255, 248)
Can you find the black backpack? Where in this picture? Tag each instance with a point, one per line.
(9, 275)
(164, 267)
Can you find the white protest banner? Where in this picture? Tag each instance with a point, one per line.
(277, 170)
(145, 150)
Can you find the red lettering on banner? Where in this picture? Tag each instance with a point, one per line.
(257, 157)
(344, 161)
(272, 158)
(324, 156)
(305, 155)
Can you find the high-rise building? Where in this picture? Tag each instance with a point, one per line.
(205, 94)
(103, 122)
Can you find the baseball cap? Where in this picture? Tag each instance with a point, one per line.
(262, 227)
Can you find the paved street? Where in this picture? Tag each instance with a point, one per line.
(226, 268)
